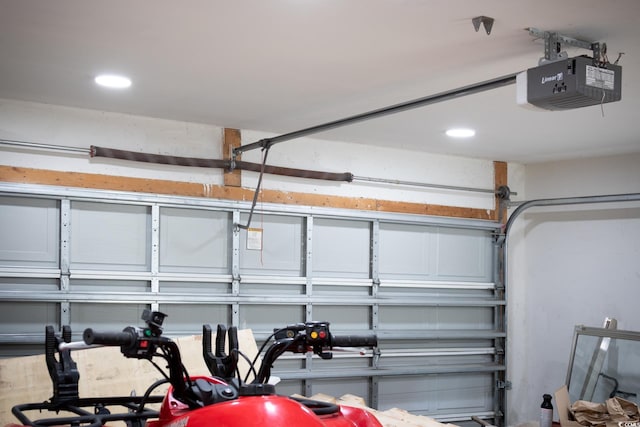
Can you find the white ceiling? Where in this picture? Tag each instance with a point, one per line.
(284, 65)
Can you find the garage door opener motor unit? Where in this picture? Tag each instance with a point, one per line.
(570, 83)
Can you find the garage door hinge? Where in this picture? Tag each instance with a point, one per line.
(503, 385)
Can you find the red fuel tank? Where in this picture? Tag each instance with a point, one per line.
(260, 411)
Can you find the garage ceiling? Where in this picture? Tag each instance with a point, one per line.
(284, 65)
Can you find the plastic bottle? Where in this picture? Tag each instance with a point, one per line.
(546, 411)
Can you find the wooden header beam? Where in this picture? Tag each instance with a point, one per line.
(232, 189)
(228, 192)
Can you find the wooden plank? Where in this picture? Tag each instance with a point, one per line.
(23, 378)
(321, 397)
(231, 139)
(389, 421)
(500, 179)
(352, 400)
(188, 189)
(417, 420)
(392, 417)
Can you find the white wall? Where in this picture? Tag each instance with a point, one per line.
(568, 266)
(72, 127)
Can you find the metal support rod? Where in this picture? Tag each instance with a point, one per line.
(256, 192)
(36, 145)
(397, 108)
(422, 184)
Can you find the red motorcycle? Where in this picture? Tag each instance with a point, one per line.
(222, 400)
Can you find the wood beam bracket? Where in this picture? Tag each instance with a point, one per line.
(231, 140)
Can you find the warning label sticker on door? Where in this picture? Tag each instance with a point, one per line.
(254, 239)
(600, 77)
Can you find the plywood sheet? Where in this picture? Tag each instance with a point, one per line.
(103, 372)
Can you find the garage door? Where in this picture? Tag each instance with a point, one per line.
(424, 285)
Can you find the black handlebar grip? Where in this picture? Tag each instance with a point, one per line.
(116, 339)
(354, 340)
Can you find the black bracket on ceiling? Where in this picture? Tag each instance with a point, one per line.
(485, 21)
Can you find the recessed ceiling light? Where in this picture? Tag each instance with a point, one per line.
(113, 81)
(460, 133)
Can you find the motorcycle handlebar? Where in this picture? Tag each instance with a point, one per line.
(125, 338)
(354, 341)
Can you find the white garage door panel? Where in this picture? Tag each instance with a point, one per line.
(104, 316)
(424, 361)
(84, 285)
(462, 318)
(407, 251)
(198, 288)
(462, 255)
(30, 232)
(475, 393)
(271, 289)
(436, 318)
(418, 252)
(341, 248)
(282, 246)
(194, 240)
(471, 393)
(344, 360)
(185, 319)
(27, 317)
(433, 291)
(345, 291)
(31, 284)
(264, 319)
(344, 317)
(110, 236)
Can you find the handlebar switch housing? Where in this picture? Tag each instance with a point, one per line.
(318, 337)
(209, 393)
(143, 347)
(318, 333)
